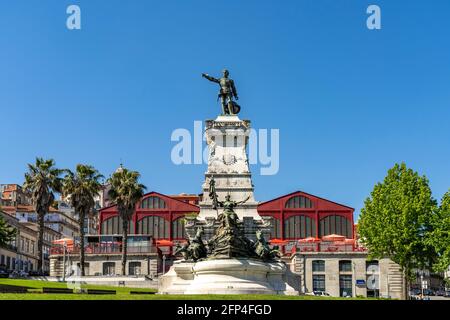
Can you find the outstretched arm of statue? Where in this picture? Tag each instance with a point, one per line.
(178, 250)
(243, 201)
(207, 76)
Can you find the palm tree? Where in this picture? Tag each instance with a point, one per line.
(81, 188)
(125, 192)
(42, 180)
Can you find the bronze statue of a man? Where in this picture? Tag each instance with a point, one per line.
(227, 93)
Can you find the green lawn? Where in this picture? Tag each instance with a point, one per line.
(123, 293)
(37, 285)
(37, 296)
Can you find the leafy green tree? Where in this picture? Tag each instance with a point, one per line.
(125, 192)
(439, 238)
(42, 180)
(81, 188)
(7, 233)
(397, 218)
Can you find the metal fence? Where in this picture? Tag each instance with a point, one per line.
(103, 249)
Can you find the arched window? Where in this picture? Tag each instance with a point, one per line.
(299, 202)
(299, 227)
(154, 226)
(114, 226)
(335, 224)
(178, 229)
(153, 203)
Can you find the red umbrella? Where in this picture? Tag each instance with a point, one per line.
(333, 237)
(164, 243)
(309, 239)
(278, 241)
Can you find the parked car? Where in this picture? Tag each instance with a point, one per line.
(428, 292)
(440, 293)
(321, 293)
(447, 294)
(18, 274)
(415, 294)
(4, 273)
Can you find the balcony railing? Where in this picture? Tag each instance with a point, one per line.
(103, 249)
(9, 247)
(326, 246)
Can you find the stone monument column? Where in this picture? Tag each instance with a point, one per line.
(227, 138)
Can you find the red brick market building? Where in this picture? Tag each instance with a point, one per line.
(156, 215)
(296, 216)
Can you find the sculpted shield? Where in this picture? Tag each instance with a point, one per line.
(234, 107)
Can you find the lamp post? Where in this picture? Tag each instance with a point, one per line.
(64, 261)
(304, 274)
(164, 264)
(387, 283)
(421, 282)
(353, 279)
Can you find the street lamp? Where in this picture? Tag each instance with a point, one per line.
(387, 283)
(64, 261)
(423, 283)
(164, 264)
(353, 279)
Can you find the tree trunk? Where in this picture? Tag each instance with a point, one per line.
(81, 226)
(124, 245)
(406, 284)
(40, 244)
(406, 288)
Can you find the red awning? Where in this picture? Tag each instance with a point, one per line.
(164, 243)
(66, 241)
(278, 241)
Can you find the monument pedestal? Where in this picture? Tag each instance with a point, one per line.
(227, 276)
(177, 279)
(227, 137)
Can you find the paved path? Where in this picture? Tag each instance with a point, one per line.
(439, 298)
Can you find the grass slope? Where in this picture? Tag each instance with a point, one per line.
(37, 285)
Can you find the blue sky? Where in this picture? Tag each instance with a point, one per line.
(349, 102)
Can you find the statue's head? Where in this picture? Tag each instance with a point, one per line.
(228, 197)
(226, 73)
